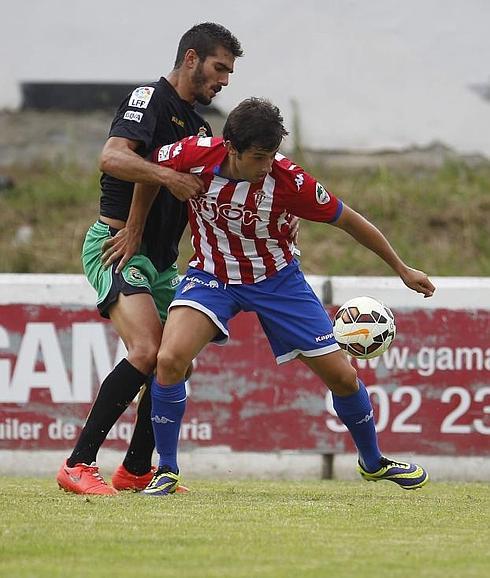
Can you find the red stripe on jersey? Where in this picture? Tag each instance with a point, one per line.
(255, 228)
(204, 234)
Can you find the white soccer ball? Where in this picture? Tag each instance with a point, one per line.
(364, 327)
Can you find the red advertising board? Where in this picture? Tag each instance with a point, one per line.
(431, 390)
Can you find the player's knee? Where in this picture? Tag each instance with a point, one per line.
(345, 382)
(171, 366)
(143, 356)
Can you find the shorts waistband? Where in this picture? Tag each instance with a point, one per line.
(112, 230)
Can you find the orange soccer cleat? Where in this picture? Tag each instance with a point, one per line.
(124, 480)
(83, 479)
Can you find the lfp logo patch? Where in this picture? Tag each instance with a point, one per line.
(140, 97)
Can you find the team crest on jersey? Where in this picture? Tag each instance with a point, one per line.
(202, 132)
(140, 97)
(259, 197)
(322, 195)
(135, 276)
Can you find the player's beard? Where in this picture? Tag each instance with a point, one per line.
(199, 81)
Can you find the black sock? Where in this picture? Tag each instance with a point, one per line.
(117, 391)
(140, 451)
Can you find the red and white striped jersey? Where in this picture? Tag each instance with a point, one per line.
(240, 229)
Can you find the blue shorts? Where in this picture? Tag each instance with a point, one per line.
(294, 320)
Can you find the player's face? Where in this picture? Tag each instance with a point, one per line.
(211, 74)
(254, 164)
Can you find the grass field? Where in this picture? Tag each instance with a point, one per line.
(247, 529)
(446, 209)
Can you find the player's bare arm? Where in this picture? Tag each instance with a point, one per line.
(371, 237)
(119, 159)
(294, 230)
(127, 241)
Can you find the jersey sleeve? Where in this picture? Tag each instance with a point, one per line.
(137, 116)
(173, 155)
(305, 197)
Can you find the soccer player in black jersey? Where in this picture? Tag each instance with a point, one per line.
(137, 287)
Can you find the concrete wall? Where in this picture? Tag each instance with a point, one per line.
(366, 75)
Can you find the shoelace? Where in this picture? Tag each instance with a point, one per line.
(164, 470)
(94, 471)
(386, 462)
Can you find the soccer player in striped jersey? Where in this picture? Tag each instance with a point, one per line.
(244, 261)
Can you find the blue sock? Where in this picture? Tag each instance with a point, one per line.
(356, 412)
(167, 411)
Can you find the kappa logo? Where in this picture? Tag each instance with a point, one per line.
(322, 195)
(177, 150)
(133, 115)
(188, 286)
(366, 418)
(202, 132)
(324, 337)
(299, 180)
(140, 97)
(161, 419)
(193, 281)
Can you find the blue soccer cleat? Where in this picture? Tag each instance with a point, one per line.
(407, 476)
(164, 482)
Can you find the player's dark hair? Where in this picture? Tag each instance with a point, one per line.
(205, 38)
(255, 122)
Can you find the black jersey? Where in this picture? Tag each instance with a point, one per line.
(153, 115)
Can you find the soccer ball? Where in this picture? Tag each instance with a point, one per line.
(364, 327)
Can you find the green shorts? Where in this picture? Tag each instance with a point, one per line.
(138, 276)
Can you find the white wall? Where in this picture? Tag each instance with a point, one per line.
(367, 75)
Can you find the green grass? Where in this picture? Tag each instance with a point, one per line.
(247, 529)
(437, 219)
(58, 205)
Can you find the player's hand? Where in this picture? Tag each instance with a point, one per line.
(418, 281)
(294, 230)
(125, 243)
(184, 186)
